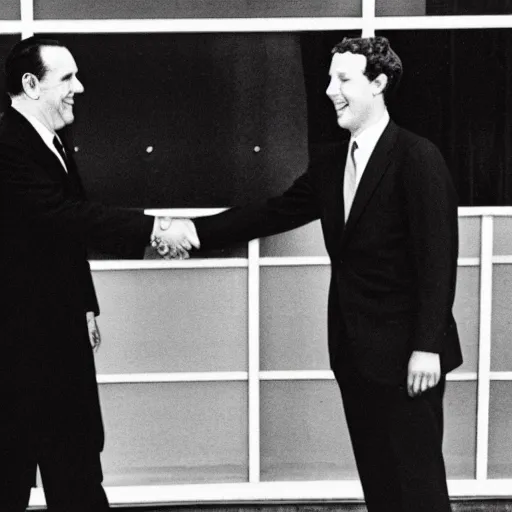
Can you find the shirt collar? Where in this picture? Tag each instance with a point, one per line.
(367, 140)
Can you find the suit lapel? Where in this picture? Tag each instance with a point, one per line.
(373, 173)
(338, 207)
(53, 164)
(43, 154)
(74, 181)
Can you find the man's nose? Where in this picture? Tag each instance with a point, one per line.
(331, 90)
(78, 86)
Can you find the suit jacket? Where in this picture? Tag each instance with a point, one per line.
(47, 374)
(393, 263)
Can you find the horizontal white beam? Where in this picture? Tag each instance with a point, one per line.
(297, 375)
(182, 212)
(468, 262)
(502, 260)
(281, 24)
(196, 25)
(261, 492)
(284, 261)
(442, 22)
(140, 378)
(272, 492)
(102, 265)
(478, 211)
(480, 488)
(11, 27)
(462, 376)
(500, 376)
(328, 375)
(292, 261)
(226, 493)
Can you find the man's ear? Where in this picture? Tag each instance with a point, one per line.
(379, 84)
(31, 86)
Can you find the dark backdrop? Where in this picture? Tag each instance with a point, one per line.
(224, 114)
(456, 91)
(229, 116)
(469, 7)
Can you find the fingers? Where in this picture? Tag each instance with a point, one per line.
(94, 335)
(185, 244)
(96, 340)
(419, 382)
(175, 238)
(434, 380)
(181, 253)
(424, 372)
(175, 252)
(192, 234)
(413, 384)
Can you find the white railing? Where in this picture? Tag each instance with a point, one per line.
(480, 486)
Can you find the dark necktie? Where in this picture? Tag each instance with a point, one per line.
(60, 148)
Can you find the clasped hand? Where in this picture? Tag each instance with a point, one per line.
(174, 238)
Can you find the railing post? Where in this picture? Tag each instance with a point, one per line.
(253, 305)
(484, 347)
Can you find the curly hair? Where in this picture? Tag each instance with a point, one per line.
(380, 58)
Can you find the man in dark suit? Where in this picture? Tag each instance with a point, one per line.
(388, 210)
(48, 395)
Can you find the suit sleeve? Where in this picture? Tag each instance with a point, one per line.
(91, 300)
(39, 204)
(295, 207)
(431, 203)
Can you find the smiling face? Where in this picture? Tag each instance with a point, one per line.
(58, 87)
(357, 100)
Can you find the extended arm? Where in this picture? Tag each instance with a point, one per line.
(41, 209)
(295, 207)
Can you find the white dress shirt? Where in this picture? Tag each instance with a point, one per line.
(44, 133)
(366, 142)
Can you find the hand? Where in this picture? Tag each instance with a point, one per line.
(94, 331)
(174, 238)
(424, 372)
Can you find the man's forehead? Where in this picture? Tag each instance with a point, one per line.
(58, 58)
(347, 62)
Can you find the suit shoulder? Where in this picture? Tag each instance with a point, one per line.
(422, 163)
(417, 147)
(408, 139)
(10, 135)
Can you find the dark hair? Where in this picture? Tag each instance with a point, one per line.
(380, 58)
(25, 57)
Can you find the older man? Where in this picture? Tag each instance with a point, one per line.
(48, 395)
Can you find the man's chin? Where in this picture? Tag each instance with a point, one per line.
(343, 123)
(68, 119)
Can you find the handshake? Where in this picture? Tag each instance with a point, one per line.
(173, 238)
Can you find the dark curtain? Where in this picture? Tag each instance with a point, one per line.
(456, 91)
(468, 7)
